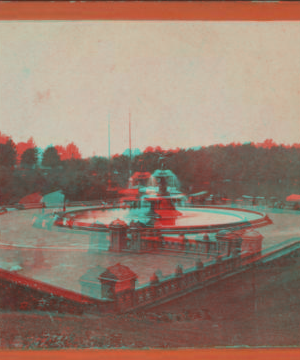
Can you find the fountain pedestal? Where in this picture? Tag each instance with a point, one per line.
(152, 214)
(161, 206)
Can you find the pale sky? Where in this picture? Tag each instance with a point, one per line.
(186, 84)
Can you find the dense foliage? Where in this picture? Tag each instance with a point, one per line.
(29, 157)
(231, 171)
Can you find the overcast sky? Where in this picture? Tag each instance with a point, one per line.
(185, 83)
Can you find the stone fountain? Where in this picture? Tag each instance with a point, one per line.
(162, 207)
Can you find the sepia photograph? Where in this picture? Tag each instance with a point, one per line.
(149, 184)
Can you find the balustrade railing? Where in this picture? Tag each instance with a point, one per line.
(207, 247)
(192, 278)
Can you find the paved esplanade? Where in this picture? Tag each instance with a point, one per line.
(60, 256)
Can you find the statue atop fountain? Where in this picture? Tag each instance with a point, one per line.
(161, 178)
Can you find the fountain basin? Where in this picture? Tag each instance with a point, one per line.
(200, 219)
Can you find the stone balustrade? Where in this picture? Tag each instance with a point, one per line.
(118, 284)
(138, 238)
(177, 284)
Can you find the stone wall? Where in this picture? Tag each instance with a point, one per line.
(179, 283)
(21, 293)
(137, 238)
(182, 282)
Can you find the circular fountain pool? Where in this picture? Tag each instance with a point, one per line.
(158, 211)
(191, 219)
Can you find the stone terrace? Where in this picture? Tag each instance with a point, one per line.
(61, 256)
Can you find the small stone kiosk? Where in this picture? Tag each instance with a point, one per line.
(234, 243)
(141, 239)
(118, 283)
(133, 238)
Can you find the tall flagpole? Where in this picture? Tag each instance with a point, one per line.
(129, 144)
(109, 162)
(109, 137)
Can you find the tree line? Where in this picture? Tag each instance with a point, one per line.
(231, 171)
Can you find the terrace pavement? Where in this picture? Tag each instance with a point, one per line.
(61, 256)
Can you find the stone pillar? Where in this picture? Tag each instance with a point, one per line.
(206, 241)
(118, 235)
(178, 271)
(186, 244)
(154, 282)
(179, 275)
(157, 243)
(136, 240)
(226, 243)
(223, 243)
(229, 243)
(236, 245)
(199, 264)
(182, 242)
(252, 241)
(135, 230)
(199, 269)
